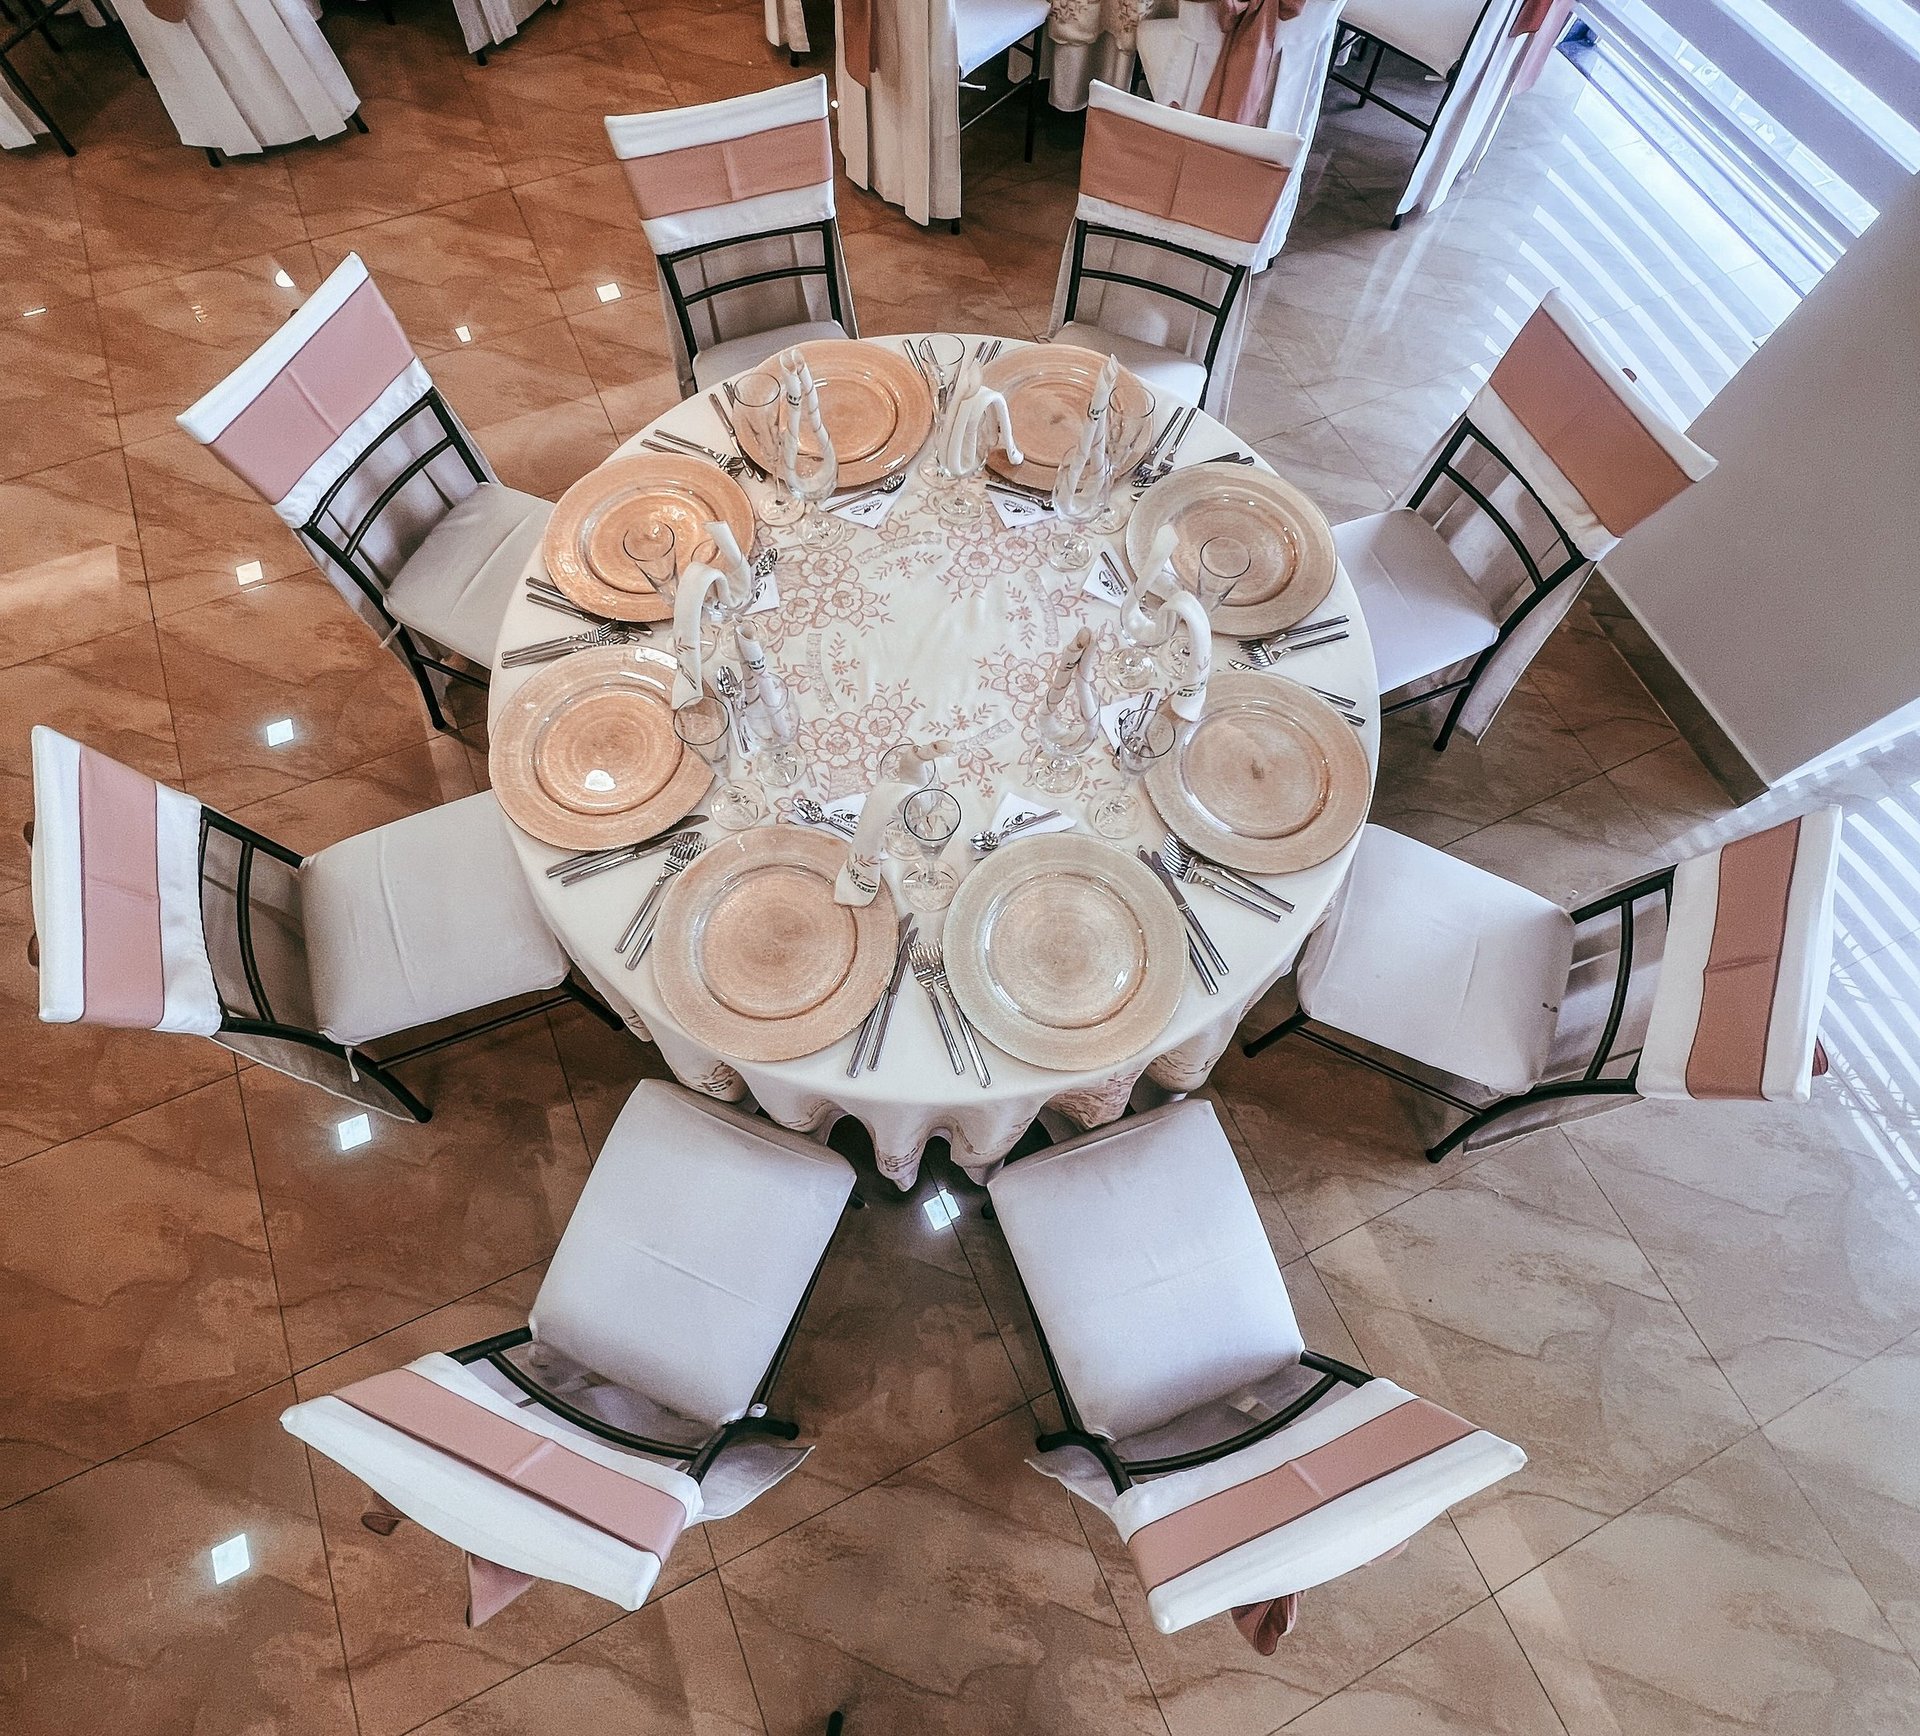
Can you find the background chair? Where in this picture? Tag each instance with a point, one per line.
(736, 199)
(987, 29)
(335, 422)
(486, 24)
(153, 912)
(1173, 211)
(578, 1447)
(1165, 1327)
(1555, 459)
(1706, 980)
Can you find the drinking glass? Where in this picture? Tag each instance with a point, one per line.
(1224, 562)
(651, 549)
(931, 818)
(900, 764)
(1133, 665)
(942, 355)
(1129, 432)
(760, 405)
(1075, 506)
(706, 726)
(1065, 736)
(1146, 735)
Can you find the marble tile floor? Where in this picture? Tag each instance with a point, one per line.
(1703, 1323)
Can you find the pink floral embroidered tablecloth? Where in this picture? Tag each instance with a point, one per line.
(935, 625)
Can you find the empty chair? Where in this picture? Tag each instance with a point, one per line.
(736, 199)
(335, 422)
(153, 912)
(1239, 1467)
(579, 1447)
(486, 24)
(1173, 212)
(1706, 980)
(1556, 458)
(1180, 54)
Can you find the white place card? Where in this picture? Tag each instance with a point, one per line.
(871, 512)
(1105, 583)
(1017, 511)
(1112, 712)
(1015, 803)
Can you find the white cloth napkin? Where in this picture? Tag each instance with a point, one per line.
(1183, 611)
(690, 602)
(858, 881)
(1138, 623)
(1103, 389)
(977, 424)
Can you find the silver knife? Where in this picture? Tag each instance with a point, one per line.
(1186, 910)
(875, 1023)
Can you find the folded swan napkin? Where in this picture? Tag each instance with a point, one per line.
(731, 573)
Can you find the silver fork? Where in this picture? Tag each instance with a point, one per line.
(659, 441)
(923, 960)
(1183, 862)
(1263, 653)
(1164, 463)
(684, 850)
(928, 962)
(590, 861)
(546, 650)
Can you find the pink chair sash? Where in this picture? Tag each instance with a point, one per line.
(1620, 470)
(1178, 1542)
(635, 1512)
(699, 177)
(1243, 75)
(491, 1587)
(1148, 169)
(332, 380)
(124, 972)
(1729, 1053)
(859, 41)
(1533, 14)
(167, 11)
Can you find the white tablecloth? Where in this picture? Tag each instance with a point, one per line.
(1093, 39)
(926, 628)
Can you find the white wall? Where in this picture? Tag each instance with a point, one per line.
(1786, 587)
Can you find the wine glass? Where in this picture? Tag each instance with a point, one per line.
(1133, 665)
(1129, 431)
(758, 405)
(1076, 504)
(1146, 734)
(931, 817)
(1065, 736)
(706, 726)
(811, 475)
(943, 355)
(902, 764)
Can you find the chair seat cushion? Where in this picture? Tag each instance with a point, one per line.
(690, 1251)
(456, 585)
(1148, 1268)
(1442, 962)
(989, 27)
(736, 355)
(1433, 32)
(420, 920)
(1422, 610)
(1166, 372)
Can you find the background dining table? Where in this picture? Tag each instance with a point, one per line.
(920, 628)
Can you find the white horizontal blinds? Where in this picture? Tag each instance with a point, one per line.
(1840, 75)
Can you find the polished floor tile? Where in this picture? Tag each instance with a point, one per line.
(72, 569)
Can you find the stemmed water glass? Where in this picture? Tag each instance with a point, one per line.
(942, 355)
(931, 817)
(1133, 665)
(902, 764)
(1129, 432)
(1065, 735)
(1146, 734)
(706, 726)
(758, 403)
(1077, 500)
(1223, 561)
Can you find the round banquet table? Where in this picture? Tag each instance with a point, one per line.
(925, 628)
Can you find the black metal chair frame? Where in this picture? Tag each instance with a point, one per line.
(1588, 1083)
(263, 1022)
(1542, 582)
(342, 544)
(684, 300)
(38, 16)
(1236, 276)
(1030, 46)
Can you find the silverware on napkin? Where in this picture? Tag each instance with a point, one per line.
(988, 841)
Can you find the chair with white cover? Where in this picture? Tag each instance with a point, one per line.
(786, 26)
(1239, 1467)
(1178, 55)
(578, 1447)
(1705, 980)
(1172, 214)
(486, 24)
(736, 198)
(335, 423)
(152, 912)
(1554, 460)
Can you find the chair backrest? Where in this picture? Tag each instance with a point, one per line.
(1743, 978)
(736, 199)
(518, 1488)
(1304, 47)
(1174, 210)
(1433, 32)
(337, 425)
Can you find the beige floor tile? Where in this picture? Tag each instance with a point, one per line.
(48, 359)
(72, 569)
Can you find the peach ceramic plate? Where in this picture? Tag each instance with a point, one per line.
(876, 407)
(585, 543)
(1269, 780)
(1279, 529)
(584, 755)
(1065, 952)
(1047, 388)
(755, 960)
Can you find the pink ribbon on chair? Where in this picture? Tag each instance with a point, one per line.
(491, 1587)
(1264, 1625)
(1243, 75)
(167, 11)
(860, 42)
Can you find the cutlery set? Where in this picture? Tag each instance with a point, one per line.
(874, 1027)
(639, 932)
(990, 840)
(931, 969)
(1161, 454)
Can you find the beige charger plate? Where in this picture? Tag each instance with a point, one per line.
(754, 959)
(1047, 388)
(876, 407)
(1269, 780)
(584, 755)
(1066, 952)
(1288, 537)
(582, 545)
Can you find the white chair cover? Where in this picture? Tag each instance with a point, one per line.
(293, 417)
(1188, 179)
(730, 169)
(19, 125)
(486, 23)
(900, 116)
(787, 26)
(239, 75)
